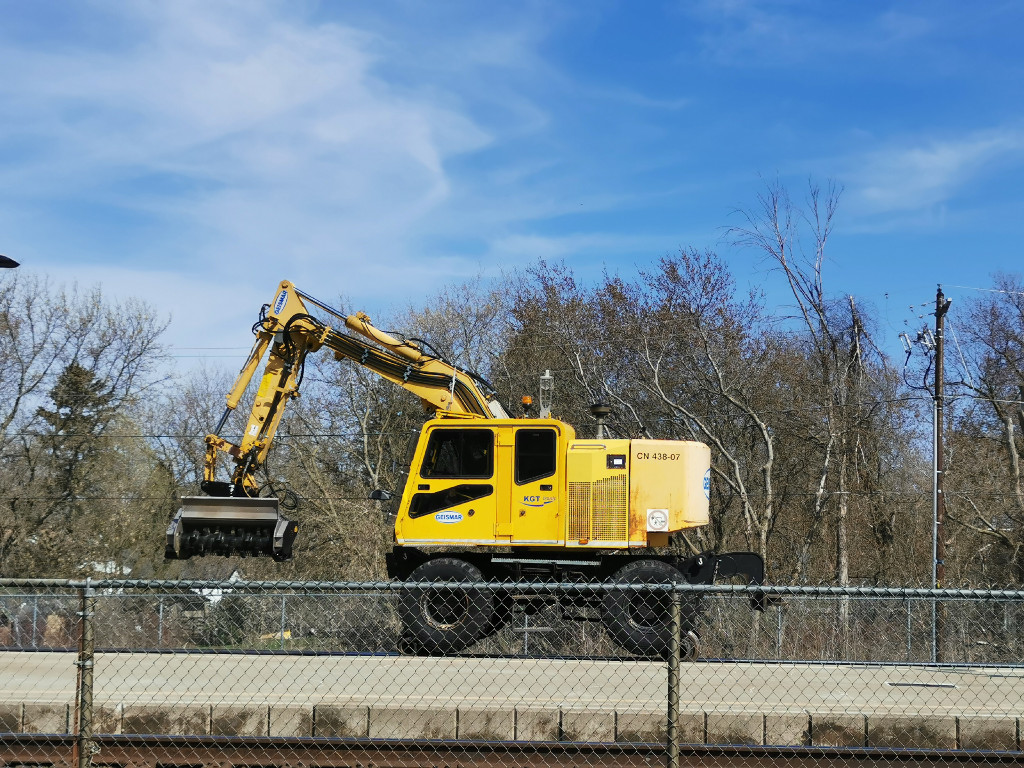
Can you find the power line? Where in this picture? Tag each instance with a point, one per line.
(987, 290)
(801, 494)
(356, 433)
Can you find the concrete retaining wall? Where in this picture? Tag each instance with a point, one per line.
(527, 724)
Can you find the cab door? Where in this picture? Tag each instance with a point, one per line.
(536, 477)
(453, 499)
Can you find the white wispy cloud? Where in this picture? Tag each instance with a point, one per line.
(260, 118)
(253, 141)
(601, 249)
(917, 176)
(775, 33)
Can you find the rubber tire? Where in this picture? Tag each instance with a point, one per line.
(501, 615)
(442, 621)
(640, 622)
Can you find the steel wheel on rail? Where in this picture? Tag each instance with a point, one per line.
(640, 621)
(446, 619)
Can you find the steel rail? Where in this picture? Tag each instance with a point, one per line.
(42, 750)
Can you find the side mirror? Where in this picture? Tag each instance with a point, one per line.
(380, 495)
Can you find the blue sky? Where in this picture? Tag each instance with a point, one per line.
(193, 153)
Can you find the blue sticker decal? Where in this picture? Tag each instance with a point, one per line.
(282, 297)
(707, 485)
(448, 517)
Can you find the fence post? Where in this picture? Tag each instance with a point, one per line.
(160, 624)
(15, 616)
(83, 748)
(910, 630)
(35, 618)
(778, 632)
(674, 661)
(283, 619)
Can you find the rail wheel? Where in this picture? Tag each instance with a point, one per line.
(640, 621)
(446, 619)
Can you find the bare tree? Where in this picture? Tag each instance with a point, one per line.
(703, 353)
(56, 346)
(795, 241)
(987, 440)
(848, 371)
(559, 325)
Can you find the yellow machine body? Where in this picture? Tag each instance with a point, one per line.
(479, 478)
(487, 497)
(531, 483)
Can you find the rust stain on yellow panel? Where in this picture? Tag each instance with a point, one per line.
(668, 475)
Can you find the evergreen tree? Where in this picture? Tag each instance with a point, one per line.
(83, 407)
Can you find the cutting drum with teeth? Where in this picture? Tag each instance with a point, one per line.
(207, 525)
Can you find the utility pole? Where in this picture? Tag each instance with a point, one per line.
(939, 464)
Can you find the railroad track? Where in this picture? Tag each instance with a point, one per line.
(56, 751)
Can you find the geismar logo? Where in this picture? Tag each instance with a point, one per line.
(282, 297)
(448, 517)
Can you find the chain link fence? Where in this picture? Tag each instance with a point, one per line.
(590, 673)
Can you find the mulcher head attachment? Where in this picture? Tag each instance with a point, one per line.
(228, 526)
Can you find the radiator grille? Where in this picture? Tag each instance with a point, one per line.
(578, 523)
(610, 512)
(598, 511)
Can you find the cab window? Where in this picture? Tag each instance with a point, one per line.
(427, 503)
(535, 454)
(459, 453)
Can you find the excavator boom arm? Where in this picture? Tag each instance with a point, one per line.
(288, 333)
(285, 334)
